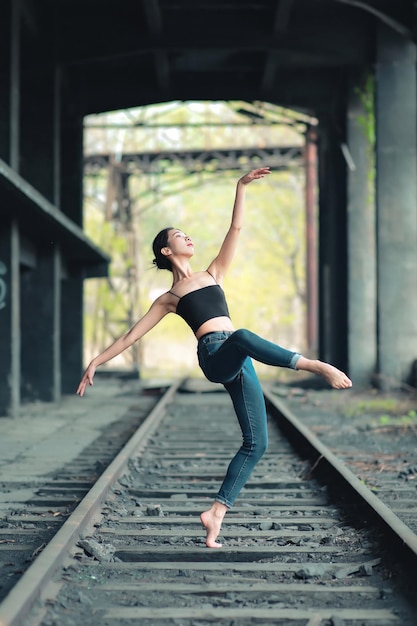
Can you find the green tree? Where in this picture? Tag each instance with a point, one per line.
(266, 283)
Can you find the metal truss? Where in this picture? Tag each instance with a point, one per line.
(192, 161)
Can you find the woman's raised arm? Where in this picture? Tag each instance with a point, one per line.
(219, 266)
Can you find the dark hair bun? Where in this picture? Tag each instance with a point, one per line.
(161, 241)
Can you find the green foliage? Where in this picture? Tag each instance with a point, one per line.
(366, 122)
(408, 419)
(384, 411)
(372, 406)
(266, 283)
(367, 98)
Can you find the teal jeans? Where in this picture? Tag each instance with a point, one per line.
(225, 357)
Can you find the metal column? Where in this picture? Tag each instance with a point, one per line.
(9, 320)
(396, 193)
(362, 328)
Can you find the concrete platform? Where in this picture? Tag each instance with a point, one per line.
(47, 436)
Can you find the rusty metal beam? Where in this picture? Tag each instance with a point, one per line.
(198, 160)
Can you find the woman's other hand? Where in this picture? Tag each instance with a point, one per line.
(87, 379)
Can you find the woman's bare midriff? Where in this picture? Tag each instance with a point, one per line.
(215, 325)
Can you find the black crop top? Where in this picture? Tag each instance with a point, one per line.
(201, 305)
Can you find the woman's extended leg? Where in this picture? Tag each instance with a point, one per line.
(222, 356)
(224, 362)
(249, 405)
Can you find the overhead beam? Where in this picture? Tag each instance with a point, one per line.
(36, 214)
(281, 20)
(329, 46)
(143, 125)
(30, 16)
(282, 15)
(154, 23)
(386, 19)
(305, 90)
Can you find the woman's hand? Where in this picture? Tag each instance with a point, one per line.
(87, 379)
(254, 175)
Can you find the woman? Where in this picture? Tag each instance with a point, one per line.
(224, 354)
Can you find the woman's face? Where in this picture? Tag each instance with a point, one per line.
(179, 242)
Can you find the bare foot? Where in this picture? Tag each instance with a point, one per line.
(336, 378)
(212, 522)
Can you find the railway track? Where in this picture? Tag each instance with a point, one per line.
(386, 464)
(133, 550)
(41, 505)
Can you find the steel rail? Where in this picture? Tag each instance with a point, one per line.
(22, 597)
(328, 465)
